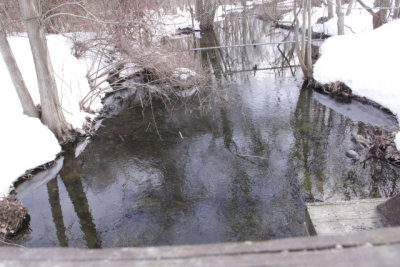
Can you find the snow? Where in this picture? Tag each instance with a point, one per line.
(25, 142)
(316, 13)
(183, 74)
(367, 63)
(167, 24)
(358, 21)
(94, 60)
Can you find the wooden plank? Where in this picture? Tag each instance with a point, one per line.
(376, 238)
(346, 216)
(387, 255)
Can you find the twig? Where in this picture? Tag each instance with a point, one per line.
(10, 244)
(154, 119)
(251, 156)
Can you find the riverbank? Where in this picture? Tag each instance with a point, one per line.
(363, 65)
(26, 143)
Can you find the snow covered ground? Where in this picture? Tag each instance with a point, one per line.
(366, 62)
(25, 142)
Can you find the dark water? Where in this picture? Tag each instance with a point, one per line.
(240, 172)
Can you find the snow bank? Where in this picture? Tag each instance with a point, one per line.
(367, 63)
(25, 142)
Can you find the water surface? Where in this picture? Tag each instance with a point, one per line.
(242, 171)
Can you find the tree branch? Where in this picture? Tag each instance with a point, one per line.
(367, 8)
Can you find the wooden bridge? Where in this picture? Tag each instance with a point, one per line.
(369, 248)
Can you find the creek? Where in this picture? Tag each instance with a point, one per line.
(242, 171)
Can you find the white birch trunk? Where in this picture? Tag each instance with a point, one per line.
(340, 15)
(24, 96)
(52, 114)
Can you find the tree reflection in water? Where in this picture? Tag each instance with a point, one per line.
(71, 178)
(241, 172)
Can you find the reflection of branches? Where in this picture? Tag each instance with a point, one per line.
(154, 119)
(284, 56)
(286, 59)
(215, 58)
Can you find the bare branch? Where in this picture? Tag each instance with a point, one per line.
(81, 17)
(70, 4)
(367, 8)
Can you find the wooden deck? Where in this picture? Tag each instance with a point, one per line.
(327, 218)
(370, 248)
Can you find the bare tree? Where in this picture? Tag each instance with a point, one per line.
(23, 94)
(52, 114)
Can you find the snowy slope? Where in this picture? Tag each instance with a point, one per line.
(25, 142)
(367, 63)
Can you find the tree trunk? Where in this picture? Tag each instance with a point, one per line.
(396, 13)
(303, 29)
(309, 37)
(380, 17)
(24, 96)
(330, 8)
(297, 41)
(52, 114)
(205, 13)
(340, 15)
(350, 7)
